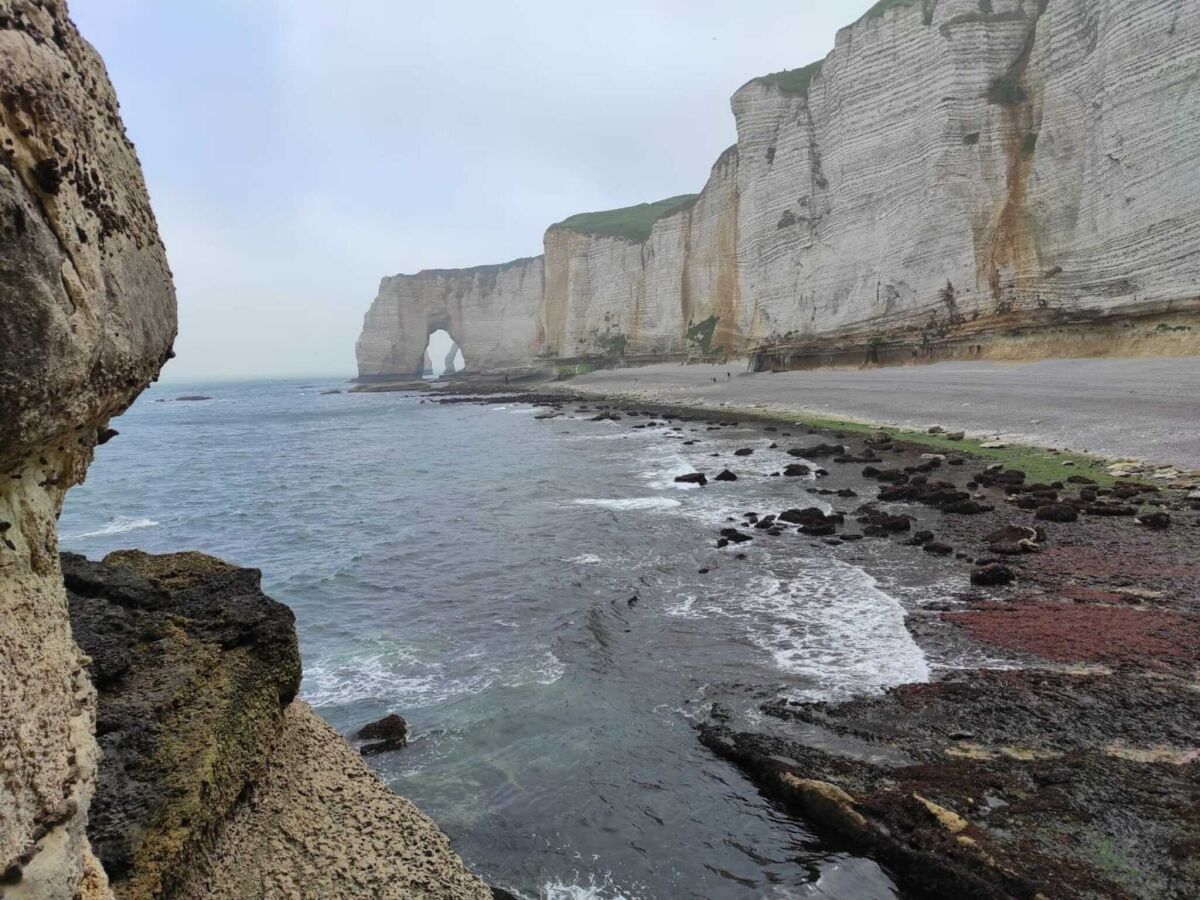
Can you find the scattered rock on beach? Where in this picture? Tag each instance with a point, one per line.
(1057, 512)
(1157, 520)
(726, 475)
(993, 575)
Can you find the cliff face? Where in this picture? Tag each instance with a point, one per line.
(87, 317)
(954, 172)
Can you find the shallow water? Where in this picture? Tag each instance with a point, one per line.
(472, 568)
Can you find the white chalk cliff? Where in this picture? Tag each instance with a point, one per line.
(953, 171)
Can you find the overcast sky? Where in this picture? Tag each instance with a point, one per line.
(298, 150)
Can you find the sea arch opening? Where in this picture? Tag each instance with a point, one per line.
(443, 355)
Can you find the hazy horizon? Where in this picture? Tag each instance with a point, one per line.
(296, 152)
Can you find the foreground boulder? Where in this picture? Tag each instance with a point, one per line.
(215, 782)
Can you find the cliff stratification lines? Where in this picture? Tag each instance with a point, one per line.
(955, 179)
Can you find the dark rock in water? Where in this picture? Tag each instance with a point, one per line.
(329, 393)
(693, 478)
(390, 733)
(810, 516)
(818, 529)
(104, 435)
(632, 601)
(733, 536)
(1057, 512)
(726, 475)
(765, 522)
(919, 539)
(852, 537)
(191, 398)
(937, 548)
(1157, 520)
(499, 893)
(193, 666)
(744, 451)
(884, 522)
(994, 575)
(797, 470)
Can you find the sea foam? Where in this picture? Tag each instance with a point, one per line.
(117, 525)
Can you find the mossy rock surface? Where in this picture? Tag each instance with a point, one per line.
(194, 666)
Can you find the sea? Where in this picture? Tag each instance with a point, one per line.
(546, 607)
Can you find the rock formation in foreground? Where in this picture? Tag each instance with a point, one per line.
(957, 178)
(213, 782)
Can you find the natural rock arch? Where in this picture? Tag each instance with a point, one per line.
(491, 312)
(443, 354)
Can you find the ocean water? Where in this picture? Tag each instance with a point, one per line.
(472, 569)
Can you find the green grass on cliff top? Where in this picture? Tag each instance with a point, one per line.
(797, 81)
(793, 81)
(877, 11)
(633, 223)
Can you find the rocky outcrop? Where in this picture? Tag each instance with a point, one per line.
(194, 667)
(214, 782)
(358, 838)
(956, 178)
(87, 317)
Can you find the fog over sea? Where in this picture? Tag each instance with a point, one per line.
(471, 568)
